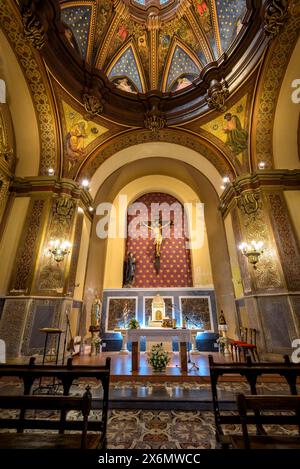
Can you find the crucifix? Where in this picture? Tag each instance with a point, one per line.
(157, 229)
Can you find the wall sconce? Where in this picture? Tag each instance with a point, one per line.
(59, 249)
(252, 251)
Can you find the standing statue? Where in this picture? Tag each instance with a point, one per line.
(129, 270)
(96, 312)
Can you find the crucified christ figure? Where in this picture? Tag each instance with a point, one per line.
(157, 230)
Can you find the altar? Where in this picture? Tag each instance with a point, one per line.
(183, 336)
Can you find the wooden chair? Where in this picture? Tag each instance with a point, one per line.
(246, 345)
(256, 405)
(49, 440)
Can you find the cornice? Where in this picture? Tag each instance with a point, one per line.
(259, 180)
(31, 186)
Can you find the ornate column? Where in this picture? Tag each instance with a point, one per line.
(41, 288)
(271, 297)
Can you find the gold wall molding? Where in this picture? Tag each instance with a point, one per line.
(136, 137)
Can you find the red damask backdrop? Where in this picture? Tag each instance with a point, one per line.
(175, 261)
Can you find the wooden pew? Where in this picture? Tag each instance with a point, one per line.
(258, 404)
(250, 371)
(50, 440)
(66, 375)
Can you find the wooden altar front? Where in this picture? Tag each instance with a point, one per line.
(160, 334)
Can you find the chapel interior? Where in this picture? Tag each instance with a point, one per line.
(109, 108)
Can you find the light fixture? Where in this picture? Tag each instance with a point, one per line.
(91, 209)
(59, 249)
(226, 180)
(252, 251)
(261, 165)
(51, 171)
(85, 183)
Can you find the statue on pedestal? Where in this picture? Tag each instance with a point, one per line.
(96, 312)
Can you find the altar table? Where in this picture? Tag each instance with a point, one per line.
(183, 336)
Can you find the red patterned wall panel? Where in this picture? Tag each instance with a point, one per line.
(175, 261)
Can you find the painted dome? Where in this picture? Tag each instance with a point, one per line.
(144, 45)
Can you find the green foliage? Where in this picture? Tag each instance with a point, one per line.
(158, 358)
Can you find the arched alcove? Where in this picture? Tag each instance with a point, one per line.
(114, 180)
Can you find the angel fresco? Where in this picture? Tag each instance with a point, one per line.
(75, 140)
(237, 137)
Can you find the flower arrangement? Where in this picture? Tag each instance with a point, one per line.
(158, 358)
(96, 344)
(133, 324)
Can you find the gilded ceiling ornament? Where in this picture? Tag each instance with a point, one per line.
(33, 29)
(64, 207)
(92, 104)
(249, 203)
(276, 14)
(217, 95)
(154, 122)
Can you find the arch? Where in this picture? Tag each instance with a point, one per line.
(22, 112)
(160, 149)
(273, 72)
(136, 167)
(285, 131)
(34, 77)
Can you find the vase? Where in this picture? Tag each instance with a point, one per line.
(159, 370)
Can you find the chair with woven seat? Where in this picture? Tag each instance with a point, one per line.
(245, 346)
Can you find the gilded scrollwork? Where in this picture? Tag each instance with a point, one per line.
(33, 29)
(275, 16)
(92, 104)
(250, 203)
(217, 95)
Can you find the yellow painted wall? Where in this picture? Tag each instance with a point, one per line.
(82, 258)
(235, 269)
(285, 145)
(10, 240)
(22, 111)
(201, 267)
(293, 202)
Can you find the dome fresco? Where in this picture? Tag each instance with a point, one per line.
(142, 45)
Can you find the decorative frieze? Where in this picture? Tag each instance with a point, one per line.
(285, 240)
(27, 252)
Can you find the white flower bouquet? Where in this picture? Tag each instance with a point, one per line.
(158, 357)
